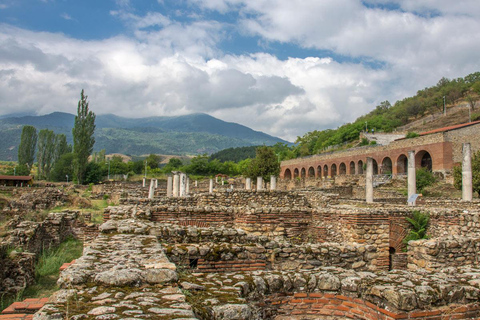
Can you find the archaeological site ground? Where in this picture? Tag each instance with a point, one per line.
(324, 241)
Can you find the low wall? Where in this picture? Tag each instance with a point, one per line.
(273, 255)
(435, 254)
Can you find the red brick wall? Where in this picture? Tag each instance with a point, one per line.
(332, 306)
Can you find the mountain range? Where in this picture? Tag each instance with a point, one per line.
(190, 134)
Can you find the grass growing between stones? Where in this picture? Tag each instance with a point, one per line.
(48, 265)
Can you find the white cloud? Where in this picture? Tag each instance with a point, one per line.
(169, 67)
(66, 16)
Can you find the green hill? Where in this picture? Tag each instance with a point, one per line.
(190, 134)
(386, 118)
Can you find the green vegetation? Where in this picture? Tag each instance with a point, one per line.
(419, 223)
(264, 165)
(48, 265)
(46, 152)
(83, 139)
(457, 174)
(411, 135)
(234, 154)
(26, 149)
(424, 178)
(47, 271)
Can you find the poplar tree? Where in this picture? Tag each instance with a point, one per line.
(26, 149)
(46, 152)
(83, 139)
(61, 147)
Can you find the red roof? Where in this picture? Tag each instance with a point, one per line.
(22, 178)
(444, 129)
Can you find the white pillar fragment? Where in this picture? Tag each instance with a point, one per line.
(156, 183)
(176, 185)
(183, 184)
(248, 184)
(273, 183)
(151, 191)
(467, 188)
(369, 181)
(144, 182)
(169, 186)
(412, 182)
(210, 187)
(187, 188)
(259, 183)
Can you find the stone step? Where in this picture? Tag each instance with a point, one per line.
(20, 316)
(27, 306)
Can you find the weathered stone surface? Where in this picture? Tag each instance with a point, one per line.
(232, 312)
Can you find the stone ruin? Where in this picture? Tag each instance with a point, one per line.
(267, 255)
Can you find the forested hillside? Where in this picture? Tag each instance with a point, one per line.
(385, 117)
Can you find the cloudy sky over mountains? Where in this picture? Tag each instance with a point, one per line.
(284, 67)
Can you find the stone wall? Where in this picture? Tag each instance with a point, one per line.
(273, 255)
(469, 134)
(17, 270)
(439, 253)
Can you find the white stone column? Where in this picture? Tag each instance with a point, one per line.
(176, 185)
(151, 191)
(187, 188)
(183, 184)
(156, 183)
(259, 184)
(169, 186)
(144, 183)
(369, 181)
(467, 188)
(412, 182)
(248, 184)
(216, 179)
(273, 183)
(210, 187)
(196, 183)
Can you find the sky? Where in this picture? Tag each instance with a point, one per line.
(284, 67)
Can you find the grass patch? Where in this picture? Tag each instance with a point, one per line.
(48, 265)
(97, 210)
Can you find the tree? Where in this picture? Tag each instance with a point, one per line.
(457, 174)
(472, 101)
(419, 223)
(46, 152)
(264, 165)
(83, 139)
(153, 161)
(61, 147)
(28, 143)
(63, 167)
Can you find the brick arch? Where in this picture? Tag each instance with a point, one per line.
(360, 166)
(311, 172)
(375, 166)
(402, 164)
(387, 166)
(319, 171)
(296, 173)
(424, 159)
(303, 173)
(325, 171)
(352, 167)
(287, 174)
(397, 234)
(342, 169)
(333, 170)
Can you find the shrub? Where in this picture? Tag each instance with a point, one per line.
(419, 223)
(424, 178)
(411, 135)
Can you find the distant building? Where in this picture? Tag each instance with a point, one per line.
(437, 150)
(19, 181)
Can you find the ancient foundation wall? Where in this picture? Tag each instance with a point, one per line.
(214, 257)
(435, 254)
